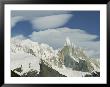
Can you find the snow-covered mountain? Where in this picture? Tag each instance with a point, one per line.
(27, 54)
(70, 61)
(76, 58)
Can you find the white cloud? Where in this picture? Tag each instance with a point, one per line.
(37, 13)
(21, 37)
(41, 19)
(56, 39)
(52, 21)
(91, 47)
(16, 19)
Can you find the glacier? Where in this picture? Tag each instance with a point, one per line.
(71, 61)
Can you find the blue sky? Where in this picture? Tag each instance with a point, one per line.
(85, 20)
(81, 26)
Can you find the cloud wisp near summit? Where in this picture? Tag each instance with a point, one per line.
(55, 43)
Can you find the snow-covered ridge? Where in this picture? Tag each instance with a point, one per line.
(75, 57)
(27, 55)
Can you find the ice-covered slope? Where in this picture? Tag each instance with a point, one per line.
(22, 63)
(70, 61)
(26, 55)
(75, 58)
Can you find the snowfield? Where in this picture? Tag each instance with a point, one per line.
(69, 61)
(26, 61)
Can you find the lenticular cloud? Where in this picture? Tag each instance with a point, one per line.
(53, 21)
(56, 39)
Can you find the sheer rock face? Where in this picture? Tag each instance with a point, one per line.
(46, 71)
(75, 58)
(26, 58)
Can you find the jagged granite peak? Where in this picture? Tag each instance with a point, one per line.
(26, 56)
(67, 42)
(76, 58)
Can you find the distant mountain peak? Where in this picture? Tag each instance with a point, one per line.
(29, 54)
(67, 42)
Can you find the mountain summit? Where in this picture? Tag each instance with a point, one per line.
(26, 56)
(75, 58)
(67, 42)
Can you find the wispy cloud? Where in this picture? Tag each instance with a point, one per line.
(37, 13)
(41, 19)
(56, 39)
(16, 19)
(49, 22)
(52, 21)
(21, 37)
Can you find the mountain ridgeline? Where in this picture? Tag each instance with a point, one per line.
(75, 58)
(34, 60)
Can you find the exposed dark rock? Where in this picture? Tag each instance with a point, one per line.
(13, 74)
(19, 69)
(93, 74)
(46, 71)
(32, 73)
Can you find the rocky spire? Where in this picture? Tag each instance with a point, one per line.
(67, 43)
